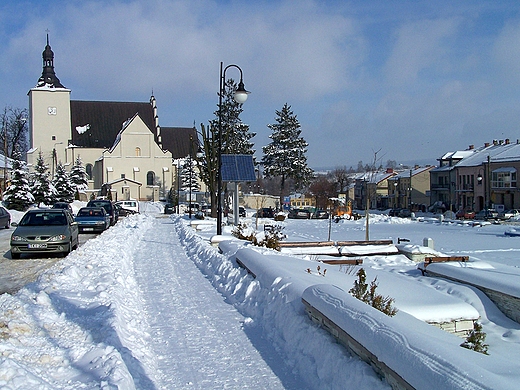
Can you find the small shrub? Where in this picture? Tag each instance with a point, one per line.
(368, 295)
(271, 238)
(475, 339)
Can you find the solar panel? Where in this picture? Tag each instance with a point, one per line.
(238, 167)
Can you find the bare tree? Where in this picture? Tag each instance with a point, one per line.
(14, 134)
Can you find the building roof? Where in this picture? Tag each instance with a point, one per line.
(48, 77)
(177, 141)
(96, 124)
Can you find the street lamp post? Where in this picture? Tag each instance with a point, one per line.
(240, 97)
(191, 171)
(54, 157)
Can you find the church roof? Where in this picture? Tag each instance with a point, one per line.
(48, 77)
(177, 141)
(96, 124)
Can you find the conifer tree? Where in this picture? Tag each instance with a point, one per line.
(236, 136)
(65, 189)
(189, 176)
(40, 184)
(78, 176)
(285, 156)
(475, 339)
(18, 195)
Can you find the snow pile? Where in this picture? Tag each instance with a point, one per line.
(79, 326)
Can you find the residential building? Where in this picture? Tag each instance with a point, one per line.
(410, 189)
(372, 187)
(481, 178)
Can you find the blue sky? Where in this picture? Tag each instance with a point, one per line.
(409, 79)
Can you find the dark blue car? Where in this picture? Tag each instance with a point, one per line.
(92, 219)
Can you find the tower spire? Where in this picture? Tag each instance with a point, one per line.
(48, 76)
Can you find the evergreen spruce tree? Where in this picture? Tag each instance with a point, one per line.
(189, 176)
(284, 156)
(475, 339)
(40, 184)
(64, 187)
(18, 195)
(78, 176)
(236, 136)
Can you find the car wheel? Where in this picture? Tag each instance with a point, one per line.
(8, 224)
(64, 254)
(15, 256)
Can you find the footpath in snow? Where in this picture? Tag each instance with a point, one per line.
(198, 338)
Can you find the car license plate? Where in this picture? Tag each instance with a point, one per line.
(88, 229)
(37, 246)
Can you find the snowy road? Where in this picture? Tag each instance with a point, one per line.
(198, 338)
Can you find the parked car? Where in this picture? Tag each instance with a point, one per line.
(169, 208)
(320, 214)
(394, 212)
(506, 215)
(44, 231)
(206, 209)
(63, 206)
(121, 212)
(484, 215)
(265, 212)
(299, 214)
(92, 219)
(465, 214)
(5, 217)
(404, 213)
(132, 205)
(109, 208)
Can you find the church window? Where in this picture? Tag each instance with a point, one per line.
(88, 169)
(138, 151)
(150, 176)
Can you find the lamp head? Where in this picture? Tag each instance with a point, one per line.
(241, 93)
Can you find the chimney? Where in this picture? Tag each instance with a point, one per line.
(389, 170)
(507, 141)
(471, 147)
(486, 144)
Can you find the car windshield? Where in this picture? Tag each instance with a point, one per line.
(90, 213)
(43, 219)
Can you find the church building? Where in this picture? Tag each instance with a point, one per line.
(120, 144)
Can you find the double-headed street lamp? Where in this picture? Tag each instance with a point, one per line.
(240, 97)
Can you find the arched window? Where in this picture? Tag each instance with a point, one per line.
(88, 169)
(138, 151)
(150, 176)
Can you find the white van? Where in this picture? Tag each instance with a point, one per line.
(132, 205)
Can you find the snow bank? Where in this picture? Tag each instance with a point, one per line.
(272, 306)
(79, 325)
(426, 357)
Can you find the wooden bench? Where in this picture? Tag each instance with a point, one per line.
(444, 259)
(373, 242)
(306, 244)
(342, 261)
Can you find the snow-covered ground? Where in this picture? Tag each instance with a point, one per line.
(150, 304)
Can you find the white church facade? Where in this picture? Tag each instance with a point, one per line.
(120, 144)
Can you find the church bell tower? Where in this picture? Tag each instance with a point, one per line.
(49, 115)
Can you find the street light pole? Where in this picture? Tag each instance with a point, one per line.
(240, 97)
(54, 157)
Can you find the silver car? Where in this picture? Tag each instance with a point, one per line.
(44, 231)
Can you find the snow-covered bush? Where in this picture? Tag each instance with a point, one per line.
(369, 295)
(269, 239)
(475, 339)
